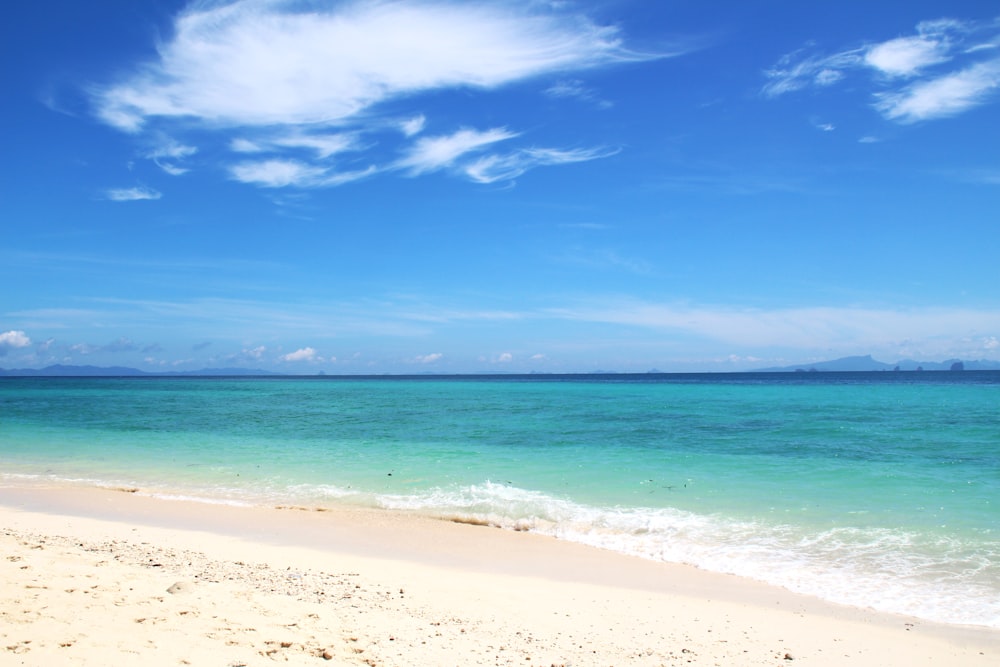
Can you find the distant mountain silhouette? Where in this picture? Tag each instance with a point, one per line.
(866, 363)
(60, 370)
(844, 364)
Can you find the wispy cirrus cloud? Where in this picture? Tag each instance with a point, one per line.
(413, 126)
(796, 71)
(138, 193)
(945, 68)
(944, 96)
(493, 168)
(168, 154)
(281, 173)
(275, 173)
(462, 153)
(434, 153)
(276, 76)
(576, 89)
(939, 330)
(321, 145)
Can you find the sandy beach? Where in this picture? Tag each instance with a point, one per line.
(112, 577)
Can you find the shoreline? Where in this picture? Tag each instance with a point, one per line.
(381, 587)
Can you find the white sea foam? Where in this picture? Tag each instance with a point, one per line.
(941, 579)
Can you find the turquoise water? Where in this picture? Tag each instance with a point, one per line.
(878, 489)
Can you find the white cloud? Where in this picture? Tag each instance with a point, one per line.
(906, 56)
(168, 153)
(172, 169)
(275, 173)
(568, 88)
(241, 145)
(293, 70)
(429, 358)
(910, 86)
(988, 46)
(282, 173)
(260, 63)
(492, 168)
(132, 194)
(413, 126)
(340, 178)
(505, 358)
(575, 89)
(434, 153)
(303, 354)
(13, 338)
(173, 150)
(828, 77)
(944, 96)
(938, 332)
(794, 72)
(323, 144)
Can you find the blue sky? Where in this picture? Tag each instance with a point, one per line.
(408, 187)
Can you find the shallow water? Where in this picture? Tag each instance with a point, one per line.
(871, 489)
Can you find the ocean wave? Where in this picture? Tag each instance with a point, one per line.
(940, 578)
(934, 576)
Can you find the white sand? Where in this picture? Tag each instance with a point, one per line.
(98, 577)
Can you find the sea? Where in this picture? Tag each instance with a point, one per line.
(877, 490)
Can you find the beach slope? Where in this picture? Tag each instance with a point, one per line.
(112, 577)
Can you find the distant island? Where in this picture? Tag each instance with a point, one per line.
(866, 363)
(845, 364)
(60, 370)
